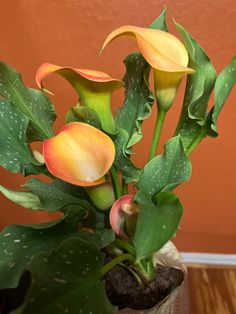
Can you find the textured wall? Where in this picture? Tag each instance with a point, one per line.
(71, 32)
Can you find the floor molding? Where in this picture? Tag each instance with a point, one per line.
(209, 258)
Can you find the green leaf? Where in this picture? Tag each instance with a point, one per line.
(101, 237)
(122, 162)
(160, 22)
(67, 280)
(58, 194)
(138, 98)
(224, 84)
(165, 172)
(23, 198)
(15, 153)
(19, 242)
(198, 90)
(156, 223)
(83, 114)
(34, 104)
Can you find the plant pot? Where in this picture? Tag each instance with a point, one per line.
(177, 302)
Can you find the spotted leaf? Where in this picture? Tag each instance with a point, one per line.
(67, 280)
(165, 172)
(34, 104)
(198, 90)
(18, 243)
(224, 84)
(58, 194)
(15, 153)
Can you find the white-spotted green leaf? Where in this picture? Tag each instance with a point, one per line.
(23, 198)
(224, 84)
(100, 237)
(138, 98)
(18, 243)
(58, 194)
(34, 104)
(198, 90)
(83, 114)
(67, 280)
(157, 223)
(15, 153)
(122, 162)
(165, 172)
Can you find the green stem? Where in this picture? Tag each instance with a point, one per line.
(196, 141)
(157, 133)
(124, 187)
(115, 182)
(125, 245)
(116, 261)
(146, 268)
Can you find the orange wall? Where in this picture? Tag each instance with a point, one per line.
(70, 32)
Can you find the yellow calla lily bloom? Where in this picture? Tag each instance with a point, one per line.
(95, 89)
(166, 55)
(80, 154)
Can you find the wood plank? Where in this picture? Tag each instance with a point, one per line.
(212, 290)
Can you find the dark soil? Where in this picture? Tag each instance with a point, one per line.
(123, 289)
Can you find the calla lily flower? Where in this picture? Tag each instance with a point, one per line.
(79, 154)
(123, 216)
(166, 55)
(94, 88)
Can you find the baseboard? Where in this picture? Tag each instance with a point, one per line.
(209, 258)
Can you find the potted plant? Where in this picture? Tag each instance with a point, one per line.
(110, 249)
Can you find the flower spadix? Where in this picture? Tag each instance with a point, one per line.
(80, 154)
(166, 55)
(94, 88)
(123, 216)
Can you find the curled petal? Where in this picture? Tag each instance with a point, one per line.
(94, 88)
(80, 154)
(123, 216)
(162, 50)
(101, 80)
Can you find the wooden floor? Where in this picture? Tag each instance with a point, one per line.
(212, 290)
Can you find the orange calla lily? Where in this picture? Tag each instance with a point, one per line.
(166, 55)
(74, 75)
(80, 154)
(94, 88)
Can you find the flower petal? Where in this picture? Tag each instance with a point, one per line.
(102, 80)
(80, 154)
(117, 215)
(162, 50)
(94, 88)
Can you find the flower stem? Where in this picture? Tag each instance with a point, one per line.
(125, 245)
(157, 133)
(196, 141)
(146, 268)
(115, 182)
(116, 261)
(124, 187)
